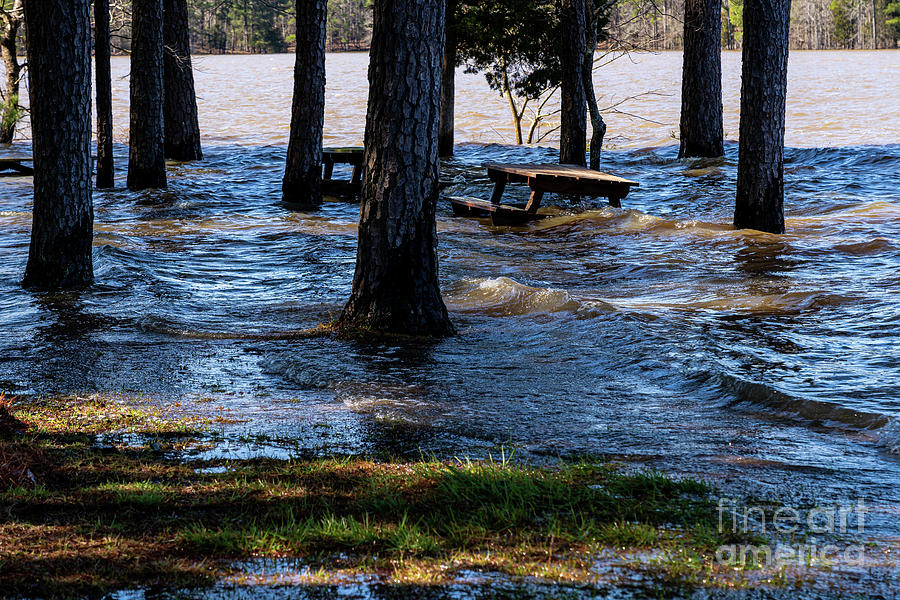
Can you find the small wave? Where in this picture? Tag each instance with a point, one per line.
(385, 401)
(503, 296)
(754, 395)
(152, 324)
(864, 248)
(889, 437)
(630, 221)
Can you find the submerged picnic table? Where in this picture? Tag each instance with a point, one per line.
(351, 155)
(14, 164)
(541, 178)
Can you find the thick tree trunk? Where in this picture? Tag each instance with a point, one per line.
(9, 52)
(573, 115)
(448, 85)
(760, 186)
(701, 85)
(395, 287)
(59, 58)
(105, 165)
(302, 183)
(146, 158)
(182, 131)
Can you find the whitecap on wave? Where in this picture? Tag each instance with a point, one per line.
(502, 296)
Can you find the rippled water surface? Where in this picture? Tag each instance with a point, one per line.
(653, 333)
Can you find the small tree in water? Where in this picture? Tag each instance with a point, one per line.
(760, 185)
(519, 46)
(59, 53)
(515, 44)
(395, 287)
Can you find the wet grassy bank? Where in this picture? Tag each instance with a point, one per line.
(99, 494)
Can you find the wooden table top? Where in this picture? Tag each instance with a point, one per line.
(553, 171)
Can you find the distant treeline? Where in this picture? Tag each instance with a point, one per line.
(265, 26)
(815, 24)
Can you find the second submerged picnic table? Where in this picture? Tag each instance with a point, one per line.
(351, 155)
(541, 178)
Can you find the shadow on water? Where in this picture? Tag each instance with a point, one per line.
(766, 258)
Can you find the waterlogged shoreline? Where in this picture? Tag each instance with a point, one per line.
(95, 468)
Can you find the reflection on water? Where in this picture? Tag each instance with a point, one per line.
(652, 333)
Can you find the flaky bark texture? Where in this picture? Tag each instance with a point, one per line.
(105, 165)
(182, 130)
(11, 22)
(302, 182)
(395, 287)
(448, 86)
(146, 158)
(573, 119)
(701, 83)
(59, 58)
(760, 185)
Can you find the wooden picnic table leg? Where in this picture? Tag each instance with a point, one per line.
(329, 167)
(615, 201)
(499, 187)
(534, 202)
(356, 178)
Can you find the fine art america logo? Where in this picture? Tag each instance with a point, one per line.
(786, 521)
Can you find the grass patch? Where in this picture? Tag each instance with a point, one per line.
(100, 517)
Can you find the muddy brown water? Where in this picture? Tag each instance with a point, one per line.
(655, 333)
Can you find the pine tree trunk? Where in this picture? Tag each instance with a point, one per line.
(105, 164)
(302, 184)
(395, 287)
(448, 85)
(760, 186)
(573, 115)
(701, 85)
(9, 52)
(59, 59)
(146, 158)
(182, 130)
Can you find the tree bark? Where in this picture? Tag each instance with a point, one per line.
(146, 157)
(9, 52)
(105, 164)
(448, 85)
(760, 186)
(395, 287)
(573, 115)
(59, 58)
(701, 84)
(181, 129)
(302, 182)
(598, 125)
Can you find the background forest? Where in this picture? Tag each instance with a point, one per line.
(264, 26)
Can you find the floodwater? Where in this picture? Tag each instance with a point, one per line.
(654, 334)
